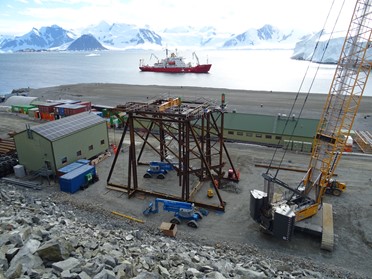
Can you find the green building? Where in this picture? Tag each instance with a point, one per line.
(61, 142)
(290, 132)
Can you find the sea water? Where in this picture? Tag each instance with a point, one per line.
(268, 70)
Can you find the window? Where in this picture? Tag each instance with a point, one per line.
(258, 135)
(102, 142)
(78, 153)
(249, 134)
(278, 137)
(64, 160)
(239, 133)
(230, 132)
(268, 136)
(90, 147)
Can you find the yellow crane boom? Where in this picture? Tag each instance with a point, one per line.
(341, 107)
(279, 216)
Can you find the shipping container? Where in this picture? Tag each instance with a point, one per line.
(75, 109)
(77, 179)
(59, 110)
(47, 116)
(69, 168)
(21, 108)
(86, 104)
(99, 113)
(69, 109)
(32, 111)
(47, 107)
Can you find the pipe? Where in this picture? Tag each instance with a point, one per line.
(128, 217)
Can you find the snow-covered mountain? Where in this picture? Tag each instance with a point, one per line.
(39, 39)
(4, 39)
(86, 42)
(188, 36)
(265, 37)
(122, 36)
(126, 36)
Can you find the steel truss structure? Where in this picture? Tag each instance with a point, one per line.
(190, 132)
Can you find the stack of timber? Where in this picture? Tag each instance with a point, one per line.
(7, 146)
(364, 141)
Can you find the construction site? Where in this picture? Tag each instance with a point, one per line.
(169, 166)
(189, 139)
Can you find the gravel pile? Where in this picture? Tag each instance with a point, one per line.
(44, 235)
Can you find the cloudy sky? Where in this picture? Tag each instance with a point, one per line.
(18, 17)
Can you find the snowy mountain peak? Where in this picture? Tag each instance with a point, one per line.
(263, 37)
(122, 35)
(266, 32)
(45, 38)
(126, 36)
(86, 42)
(34, 31)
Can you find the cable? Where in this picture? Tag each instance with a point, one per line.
(309, 90)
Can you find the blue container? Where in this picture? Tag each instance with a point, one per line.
(83, 161)
(99, 113)
(73, 181)
(69, 168)
(60, 110)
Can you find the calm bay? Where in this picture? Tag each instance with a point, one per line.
(268, 70)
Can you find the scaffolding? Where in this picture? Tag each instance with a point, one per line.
(189, 132)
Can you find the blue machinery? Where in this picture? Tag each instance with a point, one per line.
(182, 211)
(158, 170)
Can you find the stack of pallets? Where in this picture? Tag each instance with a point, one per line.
(364, 141)
(7, 146)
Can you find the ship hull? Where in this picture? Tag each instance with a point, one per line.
(199, 69)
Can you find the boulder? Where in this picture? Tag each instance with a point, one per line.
(54, 251)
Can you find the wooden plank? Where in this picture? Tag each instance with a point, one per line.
(327, 233)
(116, 188)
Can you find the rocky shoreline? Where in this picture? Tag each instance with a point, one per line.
(44, 235)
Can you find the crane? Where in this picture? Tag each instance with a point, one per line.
(196, 57)
(279, 215)
(153, 54)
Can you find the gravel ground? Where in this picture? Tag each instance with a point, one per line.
(352, 211)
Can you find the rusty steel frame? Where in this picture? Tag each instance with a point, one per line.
(194, 127)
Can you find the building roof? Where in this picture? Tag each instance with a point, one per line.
(71, 106)
(269, 124)
(64, 101)
(68, 125)
(19, 101)
(46, 104)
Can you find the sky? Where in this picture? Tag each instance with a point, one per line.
(18, 17)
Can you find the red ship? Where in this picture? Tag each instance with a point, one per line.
(175, 64)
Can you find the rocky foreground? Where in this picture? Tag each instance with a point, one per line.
(43, 236)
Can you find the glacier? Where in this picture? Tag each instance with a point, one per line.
(319, 48)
